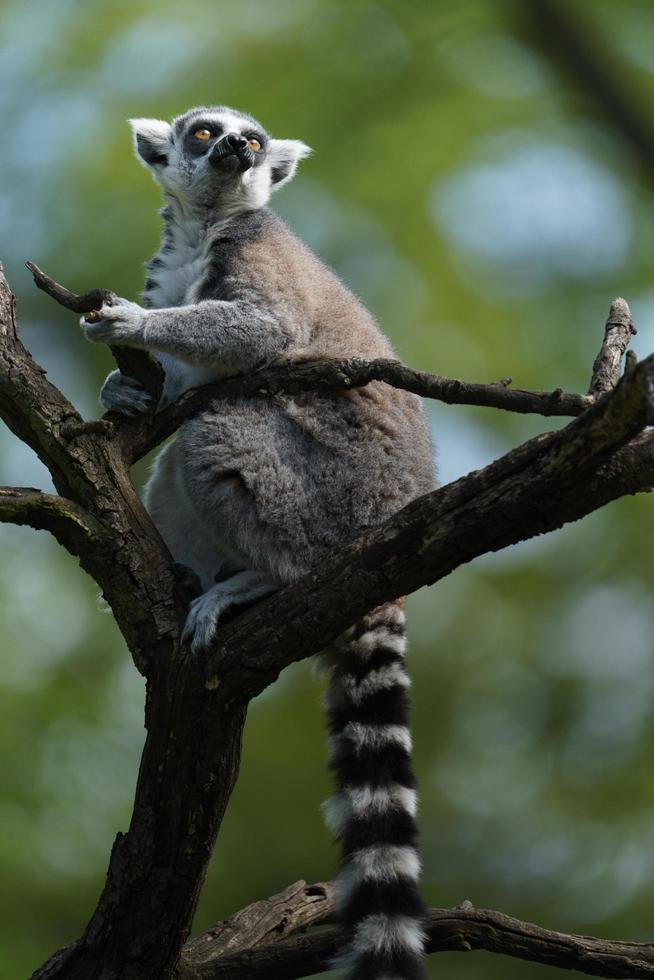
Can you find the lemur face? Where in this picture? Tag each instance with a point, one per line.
(216, 157)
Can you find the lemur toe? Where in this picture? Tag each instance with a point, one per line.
(219, 603)
(125, 395)
(202, 621)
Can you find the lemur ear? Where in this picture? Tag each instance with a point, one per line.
(284, 156)
(151, 140)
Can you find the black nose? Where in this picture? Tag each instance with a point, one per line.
(236, 141)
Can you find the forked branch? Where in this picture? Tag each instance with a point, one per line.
(188, 769)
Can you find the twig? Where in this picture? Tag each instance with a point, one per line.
(82, 303)
(619, 330)
(135, 363)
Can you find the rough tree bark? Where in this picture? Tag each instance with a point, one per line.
(195, 711)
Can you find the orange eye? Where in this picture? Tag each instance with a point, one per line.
(254, 144)
(202, 134)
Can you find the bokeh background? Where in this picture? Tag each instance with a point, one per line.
(482, 178)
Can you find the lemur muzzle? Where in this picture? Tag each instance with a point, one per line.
(232, 151)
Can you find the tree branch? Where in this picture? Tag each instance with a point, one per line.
(619, 330)
(461, 929)
(341, 375)
(83, 303)
(126, 556)
(548, 481)
(32, 407)
(195, 721)
(139, 436)
(70, 524)
(260, 924)
(135, 363)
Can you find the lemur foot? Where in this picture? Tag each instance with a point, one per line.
(123, 394)
(208, 609)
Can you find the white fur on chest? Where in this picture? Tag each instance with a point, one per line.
(180, 275)
(180, 376)
(182, 268)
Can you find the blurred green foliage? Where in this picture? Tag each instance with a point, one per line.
(488, 215)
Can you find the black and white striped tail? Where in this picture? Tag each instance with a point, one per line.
(373, 811)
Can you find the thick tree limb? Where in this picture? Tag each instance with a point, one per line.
(31, 407)
(127, 559)
(461, 929)
(539, 486)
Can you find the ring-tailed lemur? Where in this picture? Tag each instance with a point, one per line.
(255, 491)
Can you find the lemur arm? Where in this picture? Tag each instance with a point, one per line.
(231, 336)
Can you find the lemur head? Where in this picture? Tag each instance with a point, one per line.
(216, 158)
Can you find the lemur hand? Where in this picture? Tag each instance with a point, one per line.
(123, 394)
(122, 324)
